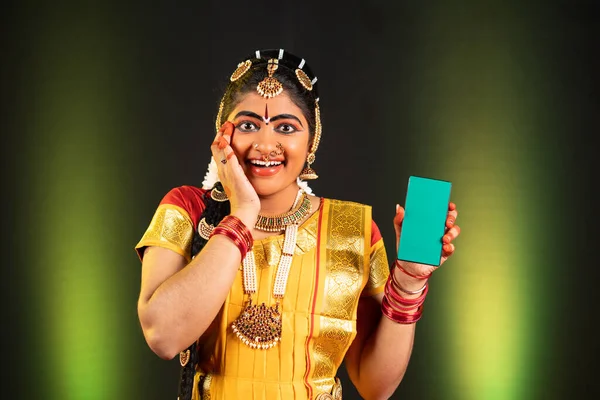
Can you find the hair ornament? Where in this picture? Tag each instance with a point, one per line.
(217, 195)
(304, 79)
(241, 69)
(270, 86)
(318, 130)
(219, 116)
(205, 229)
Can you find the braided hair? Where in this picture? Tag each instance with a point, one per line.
(215, 211)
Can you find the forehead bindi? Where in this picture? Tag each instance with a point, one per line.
(280, 104)
(254, 106)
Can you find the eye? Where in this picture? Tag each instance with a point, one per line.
(247, 126)
(286, 129)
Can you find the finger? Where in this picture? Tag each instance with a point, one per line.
(451, 206)
(451, 234)
(399, 216)
(214, 145)
(447, 250)
(224, 136)
(228, 154)
(453, 214)
(221, 143)
(450, 221)
(228, 129)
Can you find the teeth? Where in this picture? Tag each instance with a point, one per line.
(265, 163)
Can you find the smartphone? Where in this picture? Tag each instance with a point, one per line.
(425, 214)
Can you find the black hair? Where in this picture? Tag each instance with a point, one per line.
(215, 211)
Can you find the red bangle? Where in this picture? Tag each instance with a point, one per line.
(234, 236)
(400, 317)
(409, 274)
(402, 300)
(232, 227)
(238, 226)
(396, 305)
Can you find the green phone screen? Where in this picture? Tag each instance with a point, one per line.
(426, 210)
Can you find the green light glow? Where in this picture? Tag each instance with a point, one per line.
(75, 182)
(488, 290)
(469, 116)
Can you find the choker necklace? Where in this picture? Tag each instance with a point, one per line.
(259, 326)
(279, 222)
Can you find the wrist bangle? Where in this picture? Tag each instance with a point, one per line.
(234, 229)
(411, 275)
(234, 236)
(391, 291)
(399, 287)
(400, 317)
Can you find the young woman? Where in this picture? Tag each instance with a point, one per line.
(262, 288)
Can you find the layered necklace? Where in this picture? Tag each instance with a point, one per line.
(259, 326)
(277, 223)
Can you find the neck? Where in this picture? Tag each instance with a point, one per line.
(280, 202)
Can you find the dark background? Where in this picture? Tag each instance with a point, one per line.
(106, 106)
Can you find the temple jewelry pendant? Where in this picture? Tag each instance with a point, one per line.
(259, 326)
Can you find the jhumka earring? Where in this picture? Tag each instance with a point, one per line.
(270, 86)
(308, 173)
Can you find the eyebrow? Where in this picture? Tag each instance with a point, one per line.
(273, 119)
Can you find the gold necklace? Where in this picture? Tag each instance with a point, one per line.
(259, 326)
(279, 222)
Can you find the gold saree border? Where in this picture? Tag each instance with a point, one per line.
(342, 272)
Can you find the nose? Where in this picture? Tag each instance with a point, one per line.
(267, 147)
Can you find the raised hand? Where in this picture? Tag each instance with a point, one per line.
(451, 232)
(245, 203)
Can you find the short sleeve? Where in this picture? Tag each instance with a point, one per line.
(174, 221)
(379, 269)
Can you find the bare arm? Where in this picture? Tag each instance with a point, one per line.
(178, 302)
(378, 357)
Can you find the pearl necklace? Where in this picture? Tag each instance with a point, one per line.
(259, 326)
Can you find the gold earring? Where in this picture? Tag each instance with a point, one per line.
(308, 173)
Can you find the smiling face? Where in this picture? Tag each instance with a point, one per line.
(263, 127)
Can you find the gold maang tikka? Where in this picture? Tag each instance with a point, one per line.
(270, 86)
(308, 173)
